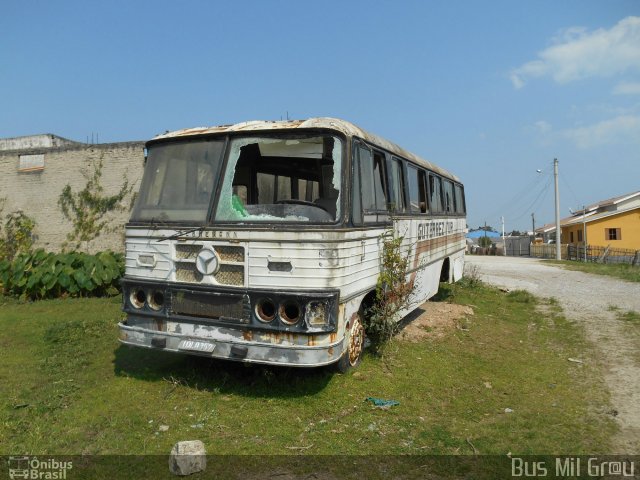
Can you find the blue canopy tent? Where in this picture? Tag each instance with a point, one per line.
(482, 233)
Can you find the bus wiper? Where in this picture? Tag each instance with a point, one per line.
(180, 233)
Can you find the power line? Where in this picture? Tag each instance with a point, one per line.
(541, 196)
(522, 195)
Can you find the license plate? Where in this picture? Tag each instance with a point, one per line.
(196, 346)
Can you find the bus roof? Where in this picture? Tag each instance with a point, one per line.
(342, 126)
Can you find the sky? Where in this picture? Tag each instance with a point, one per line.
(491, 91)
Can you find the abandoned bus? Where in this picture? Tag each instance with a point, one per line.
(261, 242)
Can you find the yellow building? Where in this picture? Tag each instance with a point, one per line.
(613, 223)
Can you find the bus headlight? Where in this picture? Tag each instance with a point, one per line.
(289, 312)
(316, 314)
(137, 297)
(265, 310)
(155, 300)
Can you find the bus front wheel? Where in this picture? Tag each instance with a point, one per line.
(352, 355)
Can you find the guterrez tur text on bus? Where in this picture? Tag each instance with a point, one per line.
(261, 241)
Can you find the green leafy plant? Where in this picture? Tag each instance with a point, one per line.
(392, 294)
(18, 235)
(39, 274)
(87, 208)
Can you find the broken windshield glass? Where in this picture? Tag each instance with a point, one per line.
(282, 180)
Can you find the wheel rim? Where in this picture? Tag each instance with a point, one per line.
(356, 341)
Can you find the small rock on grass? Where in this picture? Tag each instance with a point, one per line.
(187, 457)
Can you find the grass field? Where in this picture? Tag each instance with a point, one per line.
(70, 388)
(625, 272)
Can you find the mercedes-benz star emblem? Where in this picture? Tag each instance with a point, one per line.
(207, 262)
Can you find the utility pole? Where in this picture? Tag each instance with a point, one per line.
(504, 242)
(533, 225)
(558, 231)
(584, 232)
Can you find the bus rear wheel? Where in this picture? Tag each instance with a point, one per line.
(352, 355)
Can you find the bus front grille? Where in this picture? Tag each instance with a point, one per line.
(230, 275)
(233, 308)
(230, 271)
(186, 272)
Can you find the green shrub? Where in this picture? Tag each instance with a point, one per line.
(392, 293)
(521, 296)
(18, 235)
(39, 274)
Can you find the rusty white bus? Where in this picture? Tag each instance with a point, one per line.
(261, 241)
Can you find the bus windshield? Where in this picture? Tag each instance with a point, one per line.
(293, 179)
(178, 181)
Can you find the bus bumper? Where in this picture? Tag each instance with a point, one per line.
(218, 345)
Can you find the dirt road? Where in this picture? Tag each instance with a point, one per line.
(587, 299)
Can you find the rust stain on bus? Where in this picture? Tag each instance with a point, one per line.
(247, 335)
(280, 337)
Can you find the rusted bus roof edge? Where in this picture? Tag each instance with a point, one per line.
(342, 126)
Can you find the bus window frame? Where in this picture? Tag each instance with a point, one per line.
(392, 188)
(383, 217)
(423, 187)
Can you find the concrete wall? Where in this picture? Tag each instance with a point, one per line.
(45, 140)
(37, 192)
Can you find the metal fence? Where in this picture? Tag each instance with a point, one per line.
(518, 246)
(592, 253)
(597, 254)
(545, 250)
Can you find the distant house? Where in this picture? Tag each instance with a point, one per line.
(614, 222)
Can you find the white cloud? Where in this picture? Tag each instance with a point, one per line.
(619, 129)
(578, 54)
(543, 127)
(627, 88)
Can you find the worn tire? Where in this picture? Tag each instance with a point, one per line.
(351, 357)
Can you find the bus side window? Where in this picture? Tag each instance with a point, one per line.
(266, 188)
(460, 206)
(435, 193)
(397, 189)
(417, 191)
(379, 182)
(448, 196)
(422, 183)
(283, 187)
(368, 187)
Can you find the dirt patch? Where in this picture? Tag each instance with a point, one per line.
(434, 320)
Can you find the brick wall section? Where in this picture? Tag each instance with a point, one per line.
(36, 193)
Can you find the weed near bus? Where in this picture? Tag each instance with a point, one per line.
(392, 295)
